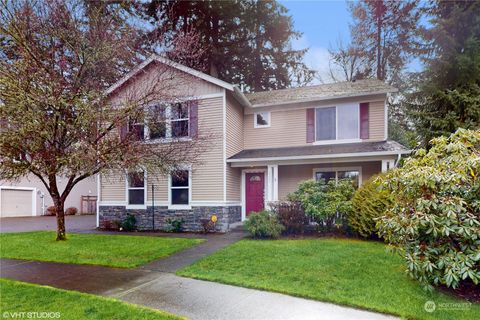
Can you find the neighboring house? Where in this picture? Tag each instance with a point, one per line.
(265, 143)
(29, 197)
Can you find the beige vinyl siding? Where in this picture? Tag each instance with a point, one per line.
(112, 187)
(161, 188)
(287, 129)
(207, 175)
(290, 176)
(235, 141)
(166, 82)
(376, 116)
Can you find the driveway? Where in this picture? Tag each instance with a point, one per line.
(23, 224)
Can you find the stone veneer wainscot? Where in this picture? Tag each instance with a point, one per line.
(226, 216)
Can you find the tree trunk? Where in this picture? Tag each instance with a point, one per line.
(60, 212)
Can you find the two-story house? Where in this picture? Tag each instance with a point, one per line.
(265, 143)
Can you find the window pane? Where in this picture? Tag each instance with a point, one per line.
(180, 178)
(180, 128)
(327, 176)
(347, 122)
(262, 119)
(136, 179)
(136, 196)
(137, 130)
(325, 123)
(179, 196)
(352, 175)
(179, 111)
(158, 130)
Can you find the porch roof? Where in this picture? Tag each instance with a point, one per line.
(360, 149)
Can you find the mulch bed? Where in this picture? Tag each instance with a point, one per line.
(467, 291)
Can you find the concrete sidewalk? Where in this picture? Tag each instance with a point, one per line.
(203, 300)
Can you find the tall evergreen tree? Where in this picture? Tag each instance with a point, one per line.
(248, 42)
(448, 95)
(387, 32)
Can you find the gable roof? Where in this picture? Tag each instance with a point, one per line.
(172, 64)
(319, 92)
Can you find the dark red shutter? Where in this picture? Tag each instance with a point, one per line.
(193, 114)
(123, 130)
(364, 120)
(310, 125)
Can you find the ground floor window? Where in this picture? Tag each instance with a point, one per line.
(136, 188)
(180, 188)
(337, 174)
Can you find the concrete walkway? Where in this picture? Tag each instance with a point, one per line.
(156, 286)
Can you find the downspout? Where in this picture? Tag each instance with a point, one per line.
(398, 159)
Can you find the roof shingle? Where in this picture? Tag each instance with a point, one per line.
(332, 149)
(320, 92)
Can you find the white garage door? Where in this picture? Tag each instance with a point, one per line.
(16, 203)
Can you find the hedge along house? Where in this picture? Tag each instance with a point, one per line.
(261, 145)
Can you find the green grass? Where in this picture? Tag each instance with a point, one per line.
(105, 250)
(348, 272)
(23, 297)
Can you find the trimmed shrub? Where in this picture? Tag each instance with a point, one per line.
(435, 221)
(263, 225)
(71, 211)
(130, 223)
(370, 202)
(51, 211)
(174, 225)
(291, 216)
(329, 204)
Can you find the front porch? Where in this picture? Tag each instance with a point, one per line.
(269, 175)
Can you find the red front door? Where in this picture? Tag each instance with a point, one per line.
(254, 187)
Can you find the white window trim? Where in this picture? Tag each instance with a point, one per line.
(336, 169)
(127, 188)
(258, 126)
(168, 123)
(180, 206)
(337, 141)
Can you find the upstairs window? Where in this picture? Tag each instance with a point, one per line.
(136, 188)
(261, 119)
(179, 120)
(337, 123)
(163, 121)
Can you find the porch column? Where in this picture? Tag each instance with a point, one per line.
(387, 165)
(272, 183)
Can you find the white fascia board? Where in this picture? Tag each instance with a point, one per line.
(241, 98)
(322, 156)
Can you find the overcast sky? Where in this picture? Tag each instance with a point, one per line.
(322, 23)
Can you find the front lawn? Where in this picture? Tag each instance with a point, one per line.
(49, 303)
(349, 272)
(105, 250)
